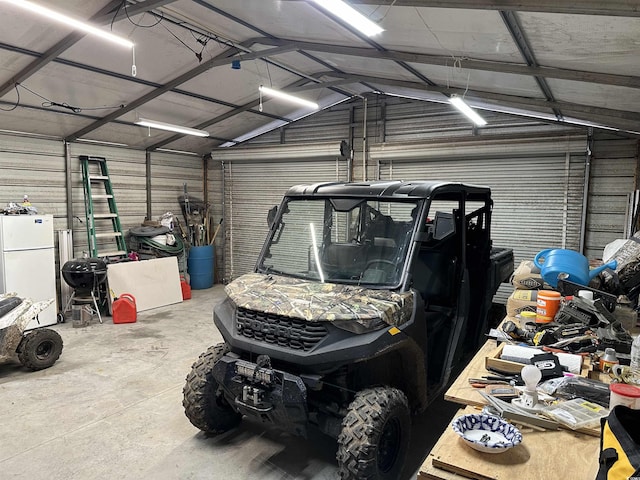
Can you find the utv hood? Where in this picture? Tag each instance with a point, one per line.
(317, 302)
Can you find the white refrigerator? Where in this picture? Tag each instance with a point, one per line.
(27, 261)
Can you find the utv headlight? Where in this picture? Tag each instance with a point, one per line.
(360, 325)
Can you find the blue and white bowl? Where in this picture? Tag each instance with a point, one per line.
(486, 433)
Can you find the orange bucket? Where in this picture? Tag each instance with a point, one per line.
(548, 303)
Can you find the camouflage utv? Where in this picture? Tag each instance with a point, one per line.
(363, 299)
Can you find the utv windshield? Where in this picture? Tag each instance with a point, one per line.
(341, 241)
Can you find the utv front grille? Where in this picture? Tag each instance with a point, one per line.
(279, 330)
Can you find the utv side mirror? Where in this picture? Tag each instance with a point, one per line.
(271, 215)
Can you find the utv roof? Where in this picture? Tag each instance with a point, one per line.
(395, 189)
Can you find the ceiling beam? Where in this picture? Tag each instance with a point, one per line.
(618, 8)
(138, 80)
(104, 16)
(132, 10)
(614, 118)
(220, 118)
(245, 24)
(224, 58)
(354, 31)
(510, 20)
(53, 51)
(315, 86)
(467, 63)
(40, 108)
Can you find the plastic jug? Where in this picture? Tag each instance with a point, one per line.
(124, 309)
(553, 262)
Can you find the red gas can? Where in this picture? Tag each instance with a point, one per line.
(124, 309)
(186, 290)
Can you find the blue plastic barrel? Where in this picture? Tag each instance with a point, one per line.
(200, 266)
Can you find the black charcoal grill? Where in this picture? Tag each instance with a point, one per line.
(84, 275)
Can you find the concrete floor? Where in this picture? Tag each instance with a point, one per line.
(110, 408)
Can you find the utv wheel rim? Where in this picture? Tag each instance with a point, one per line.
(389, 445)
(44, 349)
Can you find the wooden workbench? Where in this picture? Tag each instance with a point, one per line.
(460, 390)
(561, 453)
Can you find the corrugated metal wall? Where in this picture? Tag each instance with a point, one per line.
(169, 173)
(255, 179)
(419, 121)
(328, 125)
(37, 167)
(613, 177)
(537, 186)
(127, 169)
(392, 119)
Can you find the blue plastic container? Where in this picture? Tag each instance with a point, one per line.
(200, 266)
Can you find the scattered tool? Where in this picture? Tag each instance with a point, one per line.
(215, 232)
(515, 332)
(504, 392)
(511, 412)
(483, 382)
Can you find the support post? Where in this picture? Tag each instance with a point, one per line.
(68, 185)
(148, 180)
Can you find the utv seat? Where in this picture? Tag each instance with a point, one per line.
(344, 259)
(8, 304)
(381, 261)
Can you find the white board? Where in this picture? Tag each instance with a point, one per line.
(153, 283)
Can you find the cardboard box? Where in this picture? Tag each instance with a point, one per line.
(527, 276)
(494, 362)
(520, 301)
(628, 258)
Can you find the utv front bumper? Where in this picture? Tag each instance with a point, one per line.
(269, 395)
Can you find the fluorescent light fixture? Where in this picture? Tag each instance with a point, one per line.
(351, 16)
(470, 113)
(289, 98)
(101, 142)
(326, 102)
(181, 152)
(170, 127)
(72, 22)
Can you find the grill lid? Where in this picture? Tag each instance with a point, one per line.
(84, 273)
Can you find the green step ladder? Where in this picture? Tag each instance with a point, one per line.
(103, 222)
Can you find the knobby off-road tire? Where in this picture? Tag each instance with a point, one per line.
(375, 435)
(203, 402)
(40, 349)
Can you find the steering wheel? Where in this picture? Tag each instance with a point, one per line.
(382, 261)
